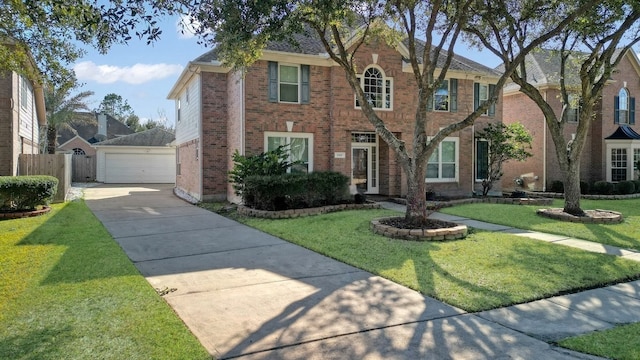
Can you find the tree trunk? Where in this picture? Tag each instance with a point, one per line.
(416, 213)
(52, 134)
(572, 189)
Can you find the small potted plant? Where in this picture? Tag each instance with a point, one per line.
(518, 192)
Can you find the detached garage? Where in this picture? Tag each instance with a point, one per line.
(144, 157)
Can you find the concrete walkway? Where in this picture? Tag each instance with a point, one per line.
(246, 294)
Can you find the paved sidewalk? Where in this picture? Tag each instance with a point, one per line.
(250, 295)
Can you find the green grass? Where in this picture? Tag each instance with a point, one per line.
(484, 271)
(67, 291)
(624, 235)
(622, 343)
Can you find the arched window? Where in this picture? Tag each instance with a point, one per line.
(623, 97)
(78, 151)
(377, 88)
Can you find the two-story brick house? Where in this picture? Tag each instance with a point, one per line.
(298, 96)
(613, 143)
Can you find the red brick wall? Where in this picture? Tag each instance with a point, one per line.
(213, 147)
(188, 178)
(6, 133)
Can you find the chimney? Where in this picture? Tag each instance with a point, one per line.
(102, 125)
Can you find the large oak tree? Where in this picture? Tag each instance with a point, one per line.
(589, 49)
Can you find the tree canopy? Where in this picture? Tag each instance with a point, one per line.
(52, 32)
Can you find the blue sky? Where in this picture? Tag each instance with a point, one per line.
(144, 74)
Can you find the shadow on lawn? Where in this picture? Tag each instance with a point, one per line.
(36, 344)
(88, 252)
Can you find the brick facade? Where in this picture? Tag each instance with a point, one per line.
(542, 169)
(236, 113)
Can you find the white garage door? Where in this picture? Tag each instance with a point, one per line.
(140, 168)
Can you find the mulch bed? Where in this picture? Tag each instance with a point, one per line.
(400, 223)
(6, 215)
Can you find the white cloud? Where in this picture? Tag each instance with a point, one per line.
(136, 74)
(186, 27)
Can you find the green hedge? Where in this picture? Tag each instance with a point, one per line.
(19, 193)
(295, 191)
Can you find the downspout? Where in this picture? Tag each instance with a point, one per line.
(544, 149)
(242, 115)
(200, 138)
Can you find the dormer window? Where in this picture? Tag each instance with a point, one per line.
(378, 89)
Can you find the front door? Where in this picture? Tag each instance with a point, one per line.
(364, 172)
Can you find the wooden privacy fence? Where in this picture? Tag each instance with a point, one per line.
(83, 168)
(56, 165)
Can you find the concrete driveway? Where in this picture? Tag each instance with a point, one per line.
(247, 294)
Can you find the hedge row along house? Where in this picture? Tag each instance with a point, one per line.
(612, 150)
(296, 95)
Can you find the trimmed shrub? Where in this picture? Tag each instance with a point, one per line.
(557, 186)
(295, 191)
(584, 187)
(625, 187)
(603, 188)
(20, 193)
(637, 183)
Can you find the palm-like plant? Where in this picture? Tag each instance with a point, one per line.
(61, 111)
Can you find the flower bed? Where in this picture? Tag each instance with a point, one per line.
(294, 213)
(23, 214)
(451, 232)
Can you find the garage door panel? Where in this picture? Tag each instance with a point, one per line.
(139, 168)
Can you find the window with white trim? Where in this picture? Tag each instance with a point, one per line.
(483, 96)
(78, 151)
(573, 108)
(443, 163)
(300, 148)
(288, 83)
(24, 92)
(618, 165)
(378, 89)
(623, 106)
(441, 97)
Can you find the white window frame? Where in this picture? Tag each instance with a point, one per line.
(448, 97)
(387, 91)
(24, 92)
(440, 179)
(297, 84)
(623, 107)
(481, 101)
(288, 136)
(573, 107)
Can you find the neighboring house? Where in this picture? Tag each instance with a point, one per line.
(22, 113)
(300, 97)
(144, 157)
(613, 143)
(89, 128)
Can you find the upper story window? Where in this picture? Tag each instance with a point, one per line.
(445, 97)
(24, 92)
(624, 108)
(481, 94)
(289, 83)
(179, 110)
(441, 97)
(378, 89)
(573, 108)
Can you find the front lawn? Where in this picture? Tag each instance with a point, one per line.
(484, 271)
(67, 291)
(622, 343)
(624, 235)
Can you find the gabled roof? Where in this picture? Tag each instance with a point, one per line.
(308, 43)
(543, 68)
(624, 132)
(153, 137)
(85, 125)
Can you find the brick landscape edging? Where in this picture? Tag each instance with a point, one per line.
(24, 214)
(456, 231)
(294, 213)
